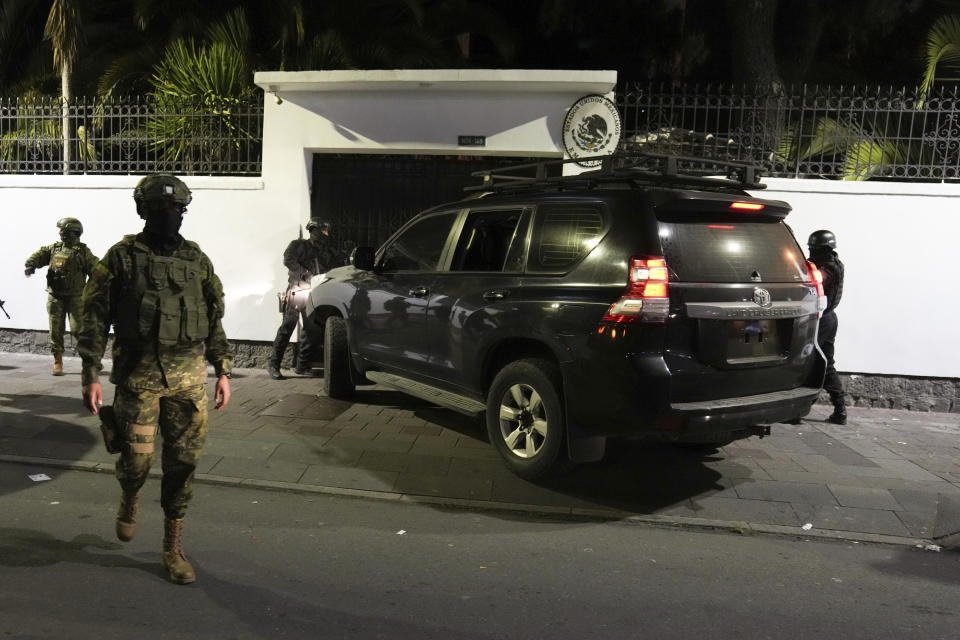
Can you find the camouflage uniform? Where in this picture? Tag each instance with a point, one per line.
(166, 311)
(69, 267)
(303, 258)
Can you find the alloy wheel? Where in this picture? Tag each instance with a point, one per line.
(523, 420)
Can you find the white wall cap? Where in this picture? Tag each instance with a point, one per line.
(860, 187)
(514, 80)
(101, 181)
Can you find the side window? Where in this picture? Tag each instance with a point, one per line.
(489, 242)
(563, 234)
(419, 247)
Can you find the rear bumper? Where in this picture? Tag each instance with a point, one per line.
(603, 403)
(730, 414)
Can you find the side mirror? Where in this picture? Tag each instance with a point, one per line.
(363, 258)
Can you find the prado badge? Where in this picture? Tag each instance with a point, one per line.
(591, 128)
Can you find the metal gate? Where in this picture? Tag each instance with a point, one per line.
(368, 197)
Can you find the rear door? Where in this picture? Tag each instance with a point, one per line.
(477, 296)
(743, 308)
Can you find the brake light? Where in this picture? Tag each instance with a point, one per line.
(816, 278)
(646, 298)
(747, 206)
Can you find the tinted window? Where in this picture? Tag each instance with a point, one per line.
(491, 241)
(717, 250)
(563, 235)
(419, 247)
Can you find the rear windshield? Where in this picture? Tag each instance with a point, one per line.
(731, 250)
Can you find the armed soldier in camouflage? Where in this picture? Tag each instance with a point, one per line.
(303, 259)
(69, 264)
(165, 303)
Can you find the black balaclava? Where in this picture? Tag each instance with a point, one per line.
(70, 238)
(162, 230)
(821, 252)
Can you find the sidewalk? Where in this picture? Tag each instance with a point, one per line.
(887, 476)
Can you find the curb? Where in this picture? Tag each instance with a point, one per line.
(625, 517)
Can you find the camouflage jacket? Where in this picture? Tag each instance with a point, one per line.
(69, 267)
(166, 312)
(305, 258)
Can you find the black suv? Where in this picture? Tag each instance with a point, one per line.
(643, 299)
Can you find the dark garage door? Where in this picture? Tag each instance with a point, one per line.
(368, 197)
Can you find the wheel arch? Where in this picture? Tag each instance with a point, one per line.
(509, 350)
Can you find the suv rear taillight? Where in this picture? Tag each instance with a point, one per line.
(817, 278)
(646, 299)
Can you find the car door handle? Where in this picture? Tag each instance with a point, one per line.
(419, 292)
(495, 295)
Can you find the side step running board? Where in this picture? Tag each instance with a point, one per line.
(455, 401)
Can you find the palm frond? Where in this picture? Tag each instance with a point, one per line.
(233, 30)
(868, 157)
(830, 136)
(64, 31)
(197, 89)
(943, 48)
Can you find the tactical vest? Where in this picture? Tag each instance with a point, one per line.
(161, 298)
(65, 276)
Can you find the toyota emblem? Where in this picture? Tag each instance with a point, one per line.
(762, 297)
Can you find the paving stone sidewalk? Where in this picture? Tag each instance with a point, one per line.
(886, 476)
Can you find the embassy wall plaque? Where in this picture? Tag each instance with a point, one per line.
(591, 128)
(471, 141)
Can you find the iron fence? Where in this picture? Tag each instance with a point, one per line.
(800, 132)
(851, 133)
(211, 136)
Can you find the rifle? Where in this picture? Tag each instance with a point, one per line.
(4, 311)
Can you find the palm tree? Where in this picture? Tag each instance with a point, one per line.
(64, 31)
(197, 89)
(943, 51)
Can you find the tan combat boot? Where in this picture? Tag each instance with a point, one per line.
(127, 516)
(58, 364)
(179, 570)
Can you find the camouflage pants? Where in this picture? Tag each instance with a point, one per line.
(58, 308)
(181, 416)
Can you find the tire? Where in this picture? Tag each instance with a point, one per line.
(336, 359)
(525, 418)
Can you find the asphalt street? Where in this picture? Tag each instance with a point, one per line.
(285, 565)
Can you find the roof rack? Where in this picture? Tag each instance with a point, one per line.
(652, 169)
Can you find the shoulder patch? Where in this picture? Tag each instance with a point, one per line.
(99, 272)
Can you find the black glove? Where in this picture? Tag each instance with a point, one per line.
(29, 271)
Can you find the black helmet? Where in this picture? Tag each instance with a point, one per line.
(323, 225)
(70, 225)
(822, 238)
(161, 187)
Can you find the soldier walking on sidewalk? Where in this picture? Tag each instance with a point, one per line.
(69, 263)
(160, 293)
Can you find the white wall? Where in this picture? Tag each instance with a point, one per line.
(897, 241)
(235, 221)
